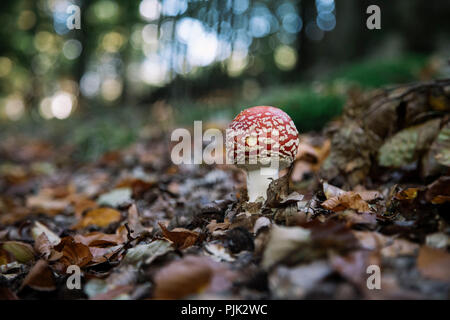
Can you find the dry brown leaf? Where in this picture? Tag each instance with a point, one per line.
(353, 266)
(214, 225)
(43, 246)
(82, 204)
(191, 275)
(434, 263)
(134, 221)
(100, 254)
(39, 229)
(101, 217)
(407, 194)
(5, 257)
(73, 252)
(46, 203)
(181, 238)
(40, 277)
(99, 239)
(439, 191)
(348, 200)
(331, 191)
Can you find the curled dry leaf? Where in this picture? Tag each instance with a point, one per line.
(331, 191)
(439, 191)
(191, 275)
(261, 223)
(73, 252)
(101, 217)
(348, 200)
(134, 221)
(38, 229)
(43, 246)
(181, 238)
(40, 277)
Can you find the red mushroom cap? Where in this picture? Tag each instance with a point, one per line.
(262, 132)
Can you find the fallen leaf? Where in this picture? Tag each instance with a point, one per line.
(191, 275)
(331, 191)
(348, 200)
(47, 204)
(434, 263)
(218, 252)
(99, 239)
(407, 194)
(115, 197)
(181, 238)
(214, 226)
(43, 246)
(134, 221)
(5, 257)
(282, 242)
(353, 266)
(38, 229)
(40, 277)
(439, 191)
(261, 223)
(73, 253)
(21, 251)
(101, 217)
(146, 253)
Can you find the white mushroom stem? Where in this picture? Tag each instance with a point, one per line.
(258, 182)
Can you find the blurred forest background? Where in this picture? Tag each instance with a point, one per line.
(136, 68)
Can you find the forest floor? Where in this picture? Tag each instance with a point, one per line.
(368, 196)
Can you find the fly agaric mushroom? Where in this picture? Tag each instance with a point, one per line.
(262, 141)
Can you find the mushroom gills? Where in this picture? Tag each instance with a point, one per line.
(258, 182)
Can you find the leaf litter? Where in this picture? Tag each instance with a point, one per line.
(371, 189)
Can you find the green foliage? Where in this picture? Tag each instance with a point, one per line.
(376, 73)
(310, 110)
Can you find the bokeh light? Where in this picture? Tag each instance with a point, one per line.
(285, 57)
(150, 10)
(61, 105)
(72, 49)
(5, 66)
(14, 107)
